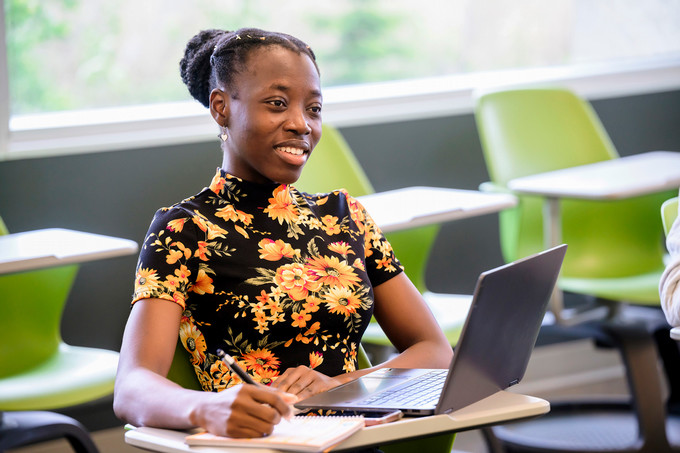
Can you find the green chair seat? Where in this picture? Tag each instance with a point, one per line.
(640, 289)
(72, 376)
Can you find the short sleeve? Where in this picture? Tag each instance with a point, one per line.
(381, 262)
(167, 264)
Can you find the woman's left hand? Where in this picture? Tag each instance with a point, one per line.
(304, 382)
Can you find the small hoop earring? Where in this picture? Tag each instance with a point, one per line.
(223, 135)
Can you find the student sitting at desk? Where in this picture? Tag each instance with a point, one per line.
(284, 281)
(669, 286)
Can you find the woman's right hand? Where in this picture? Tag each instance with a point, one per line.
(243, 410)
(144, 397)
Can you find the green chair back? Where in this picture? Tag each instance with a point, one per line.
(32, 303)
(669, 212)
(528, 131)
(332, 166)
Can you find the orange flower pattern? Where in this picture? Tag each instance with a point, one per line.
(276, 277)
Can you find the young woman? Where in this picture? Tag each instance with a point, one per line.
(286, 282)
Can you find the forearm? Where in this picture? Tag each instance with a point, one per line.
(144, 398)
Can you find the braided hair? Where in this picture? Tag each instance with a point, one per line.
(213, 57)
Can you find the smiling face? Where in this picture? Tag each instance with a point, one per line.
(273, 115)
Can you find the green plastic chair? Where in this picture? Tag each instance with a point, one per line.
(182, 373)
(615, 254)
(669, 212)
(38, 371)
(332, 166)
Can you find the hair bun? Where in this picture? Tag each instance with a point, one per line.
(195, 67)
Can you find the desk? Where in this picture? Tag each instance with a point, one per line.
(501, 407)
(55, 246)
(411, 207)
(614, 179)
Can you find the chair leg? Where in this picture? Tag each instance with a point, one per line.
(639, 353)
(25, 428)
(493, 445)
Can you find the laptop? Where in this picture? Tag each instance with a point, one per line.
(492, 354)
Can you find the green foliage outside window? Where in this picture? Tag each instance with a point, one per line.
(77, 54)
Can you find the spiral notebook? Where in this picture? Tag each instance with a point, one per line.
(309, 434)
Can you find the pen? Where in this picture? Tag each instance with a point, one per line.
(245, 377)
(233, 366)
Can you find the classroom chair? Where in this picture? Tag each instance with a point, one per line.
(332, 166)
(182, 372)
(614, 259)
(38, 371)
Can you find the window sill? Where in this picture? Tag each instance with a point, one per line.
(179, 123)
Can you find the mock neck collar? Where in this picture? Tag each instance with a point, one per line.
(233, 188)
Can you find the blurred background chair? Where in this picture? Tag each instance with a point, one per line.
(38, 371)
(333, 166)
(615, 260)
(24, 428)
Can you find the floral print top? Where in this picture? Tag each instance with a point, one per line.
(273, 276)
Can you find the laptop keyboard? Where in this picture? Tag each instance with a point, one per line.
(423, 391)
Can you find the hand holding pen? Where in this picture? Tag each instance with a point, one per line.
(247, 379)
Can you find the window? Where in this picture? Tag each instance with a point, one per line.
(70, 55)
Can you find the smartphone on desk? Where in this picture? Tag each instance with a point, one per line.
(372, 418)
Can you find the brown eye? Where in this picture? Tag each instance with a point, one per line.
(277, 103)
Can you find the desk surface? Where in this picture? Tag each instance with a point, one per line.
(629, 176)
(55, 246)
(415, 206)
(498, 408)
